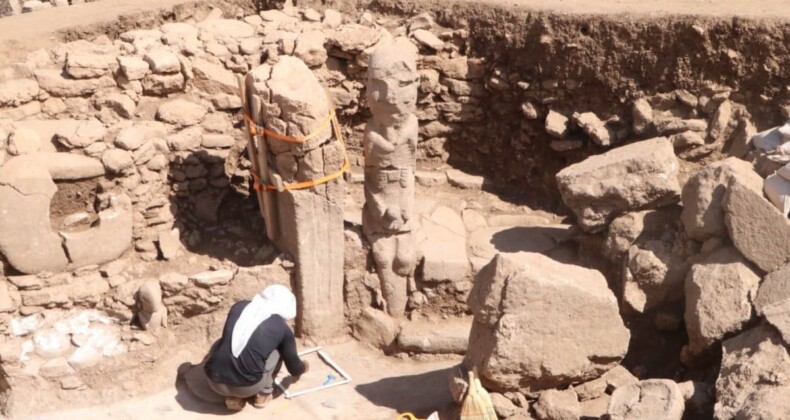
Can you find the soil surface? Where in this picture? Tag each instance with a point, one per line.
(380, 388)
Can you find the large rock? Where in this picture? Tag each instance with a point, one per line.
(773, 300)
(558, 405)
(756, 227)
(625, 230)
(181, 112)
(106, 241)
(652, 399)
(719, 293)
(653, 275)
(26, 237)
(754, 361)
(633, 177)
(540, 324)
(703, 214)
(81, 134)
(88, 66)
(766, 404)
(213, 78)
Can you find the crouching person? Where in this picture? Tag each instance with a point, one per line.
(255, 341)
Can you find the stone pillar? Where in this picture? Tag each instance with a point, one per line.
(390, 145)
(309, 222)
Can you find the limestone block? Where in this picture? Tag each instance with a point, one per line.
(442, 244)
(703, 214)
(134, 68)
(465, 181)
(557, 124)
(169, 244)
(113, 234)
(777, 189)
(447, 337)
(212, 278)
(55, 84)
(354, 38)
(181, 112)
(632, 177)
(162, 61)
(121, 103)
(756, 227)
(667, 125)
(18, 91)
(428, 39)
(80, 135)
(310, 48)
(55, 368)
(540, 324)
(756, 360)
(213, 78)
(186, 139)
(773, 300)
(26, 238)
(595, 128)
(652, 399)
(163, 84)
(116, 160)
(719, 292)
(88, 66)
(70, 167)
(653, 275)
(558, 405)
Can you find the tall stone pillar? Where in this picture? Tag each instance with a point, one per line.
(309, 222)
(390, 146)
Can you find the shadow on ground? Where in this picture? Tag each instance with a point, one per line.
(420, 394)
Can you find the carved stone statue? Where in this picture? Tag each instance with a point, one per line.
(390, 145)
(151, 311)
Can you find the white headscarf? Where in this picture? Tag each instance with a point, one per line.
(274, 300)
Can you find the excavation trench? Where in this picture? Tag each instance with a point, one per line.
(512, 104)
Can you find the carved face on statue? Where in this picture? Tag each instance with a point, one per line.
(392, 82)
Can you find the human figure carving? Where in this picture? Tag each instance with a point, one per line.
(152, 312)
(390, 145)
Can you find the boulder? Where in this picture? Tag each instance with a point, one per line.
(773, 300)
(653, 275)
(756, 227)
(310, 48)
(703, 214)
(632, 177)
(428, 39)
(88, 66)
(121, 103)
(181, 112)
(163, 84)
(766, 404)
(754, 361)
(377, 328)
(558, 405)
(652, 399)
(540, 324)
(116, 160)
(719, 293)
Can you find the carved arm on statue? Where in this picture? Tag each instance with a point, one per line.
(377, 147)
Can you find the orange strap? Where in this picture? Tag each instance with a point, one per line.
(255, 129)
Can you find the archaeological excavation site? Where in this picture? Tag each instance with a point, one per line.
(484, 209)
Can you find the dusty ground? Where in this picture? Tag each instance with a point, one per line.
(381, 387)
